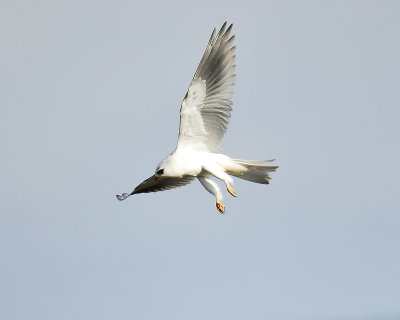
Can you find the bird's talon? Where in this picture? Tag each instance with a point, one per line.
(220, 207)
(231, 191)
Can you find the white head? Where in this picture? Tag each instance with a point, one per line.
(165, 168)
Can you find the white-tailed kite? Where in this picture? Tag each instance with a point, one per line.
(204, 117)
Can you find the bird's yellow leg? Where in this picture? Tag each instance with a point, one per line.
(231, 191)
(220, 207)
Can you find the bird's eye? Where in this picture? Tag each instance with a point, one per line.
(161, 171)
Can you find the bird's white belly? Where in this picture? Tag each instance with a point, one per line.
(188, 162)
(191, 162)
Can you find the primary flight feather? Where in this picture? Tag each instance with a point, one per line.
(204, 118)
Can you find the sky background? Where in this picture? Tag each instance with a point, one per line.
(90, 94)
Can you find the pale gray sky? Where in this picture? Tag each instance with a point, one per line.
(90, 97)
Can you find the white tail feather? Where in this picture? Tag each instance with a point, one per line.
(254, 171)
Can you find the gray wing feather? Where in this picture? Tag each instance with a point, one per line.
(154, 184)
(206, 109)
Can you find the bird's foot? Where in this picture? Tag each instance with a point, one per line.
(231, 191)
(220, 207)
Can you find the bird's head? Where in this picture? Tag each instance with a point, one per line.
(171, 166)
(163, 168)
(159, 173)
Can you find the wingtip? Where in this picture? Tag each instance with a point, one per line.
(229, 28)
(222, 30)
(122, 196)
(224, 33)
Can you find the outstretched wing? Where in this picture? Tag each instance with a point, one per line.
(206, 108)
(154, 184)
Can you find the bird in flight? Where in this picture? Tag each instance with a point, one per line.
(204, 118)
